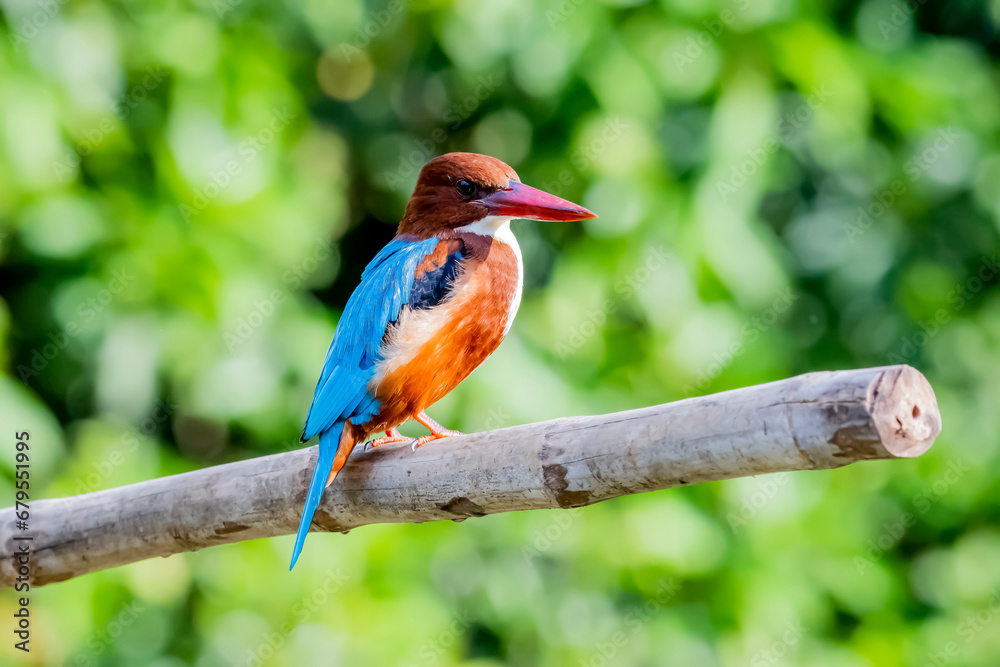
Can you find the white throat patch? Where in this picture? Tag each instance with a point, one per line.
(498, 227)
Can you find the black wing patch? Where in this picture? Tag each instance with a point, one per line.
(434, 286)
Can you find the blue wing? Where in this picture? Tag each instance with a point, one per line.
(386, 286)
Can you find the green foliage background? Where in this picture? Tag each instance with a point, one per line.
(188, 194)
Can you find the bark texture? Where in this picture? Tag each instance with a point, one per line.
(810, 422)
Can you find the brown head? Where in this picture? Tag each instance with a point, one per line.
(458, 189)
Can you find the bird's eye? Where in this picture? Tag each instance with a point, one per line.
(465, 188)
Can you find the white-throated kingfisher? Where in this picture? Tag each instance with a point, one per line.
(431, 307)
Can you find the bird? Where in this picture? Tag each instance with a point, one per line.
(432, 305)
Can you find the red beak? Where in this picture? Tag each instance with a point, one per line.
(521, 201)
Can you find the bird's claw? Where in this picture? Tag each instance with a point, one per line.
(392, 435)
(437, 435)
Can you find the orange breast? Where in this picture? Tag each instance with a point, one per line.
(431, 351)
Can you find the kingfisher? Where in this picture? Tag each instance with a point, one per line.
(431, 307)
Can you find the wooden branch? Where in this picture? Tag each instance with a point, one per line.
(810, 422)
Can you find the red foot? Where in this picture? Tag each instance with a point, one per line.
(391, 435)
(437, 431)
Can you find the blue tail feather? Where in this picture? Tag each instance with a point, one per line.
(329, 440)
